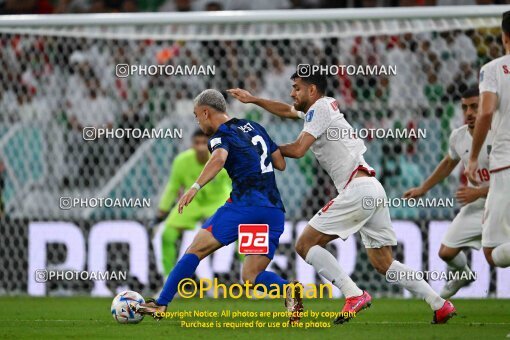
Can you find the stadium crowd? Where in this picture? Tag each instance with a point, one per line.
(114, 6)
(65, 84)
(62, 84)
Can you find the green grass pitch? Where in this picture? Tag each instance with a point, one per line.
(387, 318)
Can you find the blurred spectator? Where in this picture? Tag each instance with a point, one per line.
(253, 84)
(26, 7)
(410, 3)
(212, 6)
(309, 3)
(187, 53)
(277, 79)
(325, 4)
(76, 90)
(39, 72)
(233, 5)
(41, 76)
(106, 6)
(129, 6)
(95, 109)
(177, 6)
(72, 6)
(455, 2)
(88, 159)
(463, 79)
(32, 108)
(407, 88)
(114, 6)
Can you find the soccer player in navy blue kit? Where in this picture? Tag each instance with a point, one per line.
(250, 156)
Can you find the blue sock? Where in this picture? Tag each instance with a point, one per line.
(184, 269)
(268, 278)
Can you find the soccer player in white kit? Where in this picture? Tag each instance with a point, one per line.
(495, 114)
(330, 137)
(466, 229)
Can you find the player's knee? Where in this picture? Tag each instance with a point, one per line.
(445, 255)
(302, 247)
(199, 250)
(488, 256)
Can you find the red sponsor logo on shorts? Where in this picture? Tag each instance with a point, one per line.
(253, 239)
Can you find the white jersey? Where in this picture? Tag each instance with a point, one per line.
(495, 78)
(336, 150)
(460, 149)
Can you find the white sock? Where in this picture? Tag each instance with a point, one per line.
(417, 287)
(459, 261)
(327, 266)
(501, 255)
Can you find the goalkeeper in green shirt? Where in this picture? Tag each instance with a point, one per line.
(186, 168)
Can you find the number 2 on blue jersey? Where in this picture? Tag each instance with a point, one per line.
(269, 168)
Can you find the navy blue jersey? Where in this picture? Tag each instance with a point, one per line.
(249, 163)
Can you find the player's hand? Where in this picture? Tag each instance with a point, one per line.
(470, 171)
(414, 192)
(242, 95)
(467, 195)
(186, 199)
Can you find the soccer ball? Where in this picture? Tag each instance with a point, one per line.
(123, 307)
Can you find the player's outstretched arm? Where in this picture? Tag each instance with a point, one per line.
(299, 147)
(278, 160)
(280, 109)
(211, 169)
(443, 170)
(488, 104)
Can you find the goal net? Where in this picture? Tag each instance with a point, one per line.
(60, 75)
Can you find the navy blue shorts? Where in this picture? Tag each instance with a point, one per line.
(224, 224)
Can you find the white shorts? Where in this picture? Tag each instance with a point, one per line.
(496, 223)
(347, 213)
(466, 227)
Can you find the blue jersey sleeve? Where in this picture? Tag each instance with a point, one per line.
(218, 141)
(272, 145)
